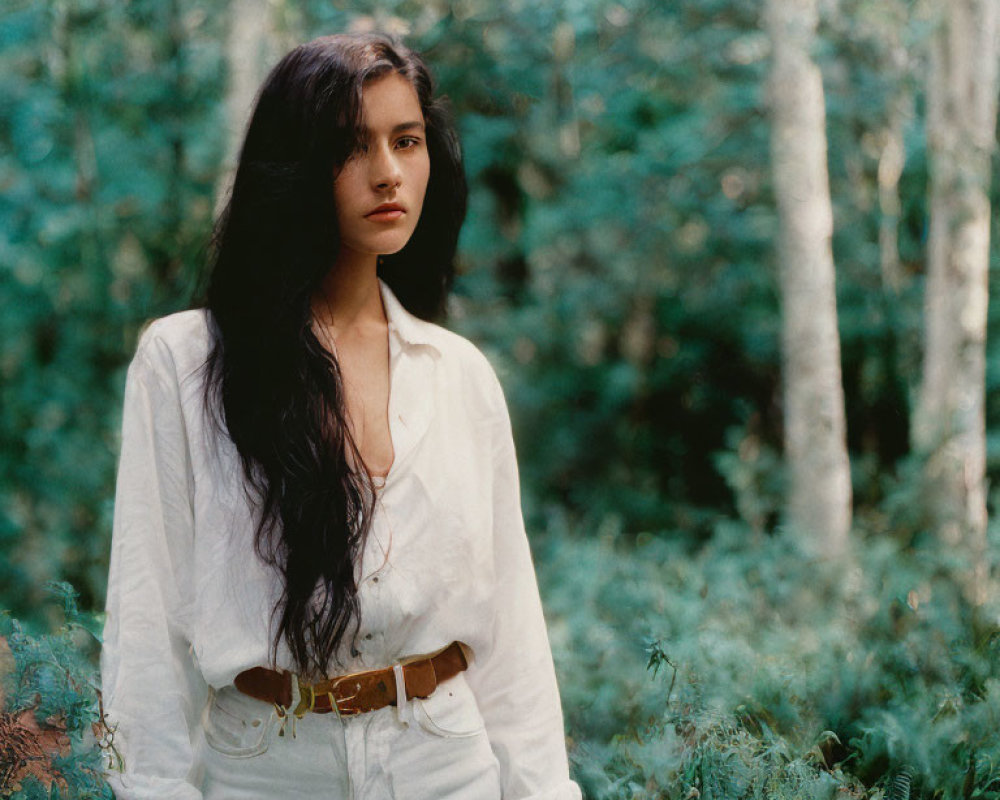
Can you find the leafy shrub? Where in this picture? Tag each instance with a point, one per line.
(778, 675)
(49, 707)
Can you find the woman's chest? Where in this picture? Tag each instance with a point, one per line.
(365, 380)
(424, 568)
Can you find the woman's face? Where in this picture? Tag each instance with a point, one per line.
(393, 167)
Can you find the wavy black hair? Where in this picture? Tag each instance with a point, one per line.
(269, 382)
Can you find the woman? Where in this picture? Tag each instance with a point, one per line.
(320, 583)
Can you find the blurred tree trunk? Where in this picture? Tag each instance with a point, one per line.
(890, 28)
(250, 51)
(892, 158)
(949, 425)
(819, 499)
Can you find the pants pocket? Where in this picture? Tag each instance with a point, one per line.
(236, 725)
(451, 711)
(442, 757)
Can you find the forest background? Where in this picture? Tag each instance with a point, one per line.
(749, 594)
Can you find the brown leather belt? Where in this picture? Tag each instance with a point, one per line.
(358, 692)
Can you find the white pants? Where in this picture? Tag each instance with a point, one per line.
(433, 749)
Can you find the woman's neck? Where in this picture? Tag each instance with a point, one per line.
(349, 298)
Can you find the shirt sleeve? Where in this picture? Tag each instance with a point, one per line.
(150, 684)
(514, 681)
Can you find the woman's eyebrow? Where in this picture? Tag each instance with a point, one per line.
(402, 126)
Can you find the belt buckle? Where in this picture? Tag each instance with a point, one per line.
(336, 701)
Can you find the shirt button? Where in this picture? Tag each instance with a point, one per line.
(375, 579)
(368, 636)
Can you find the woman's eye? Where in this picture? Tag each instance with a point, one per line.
(408, 141)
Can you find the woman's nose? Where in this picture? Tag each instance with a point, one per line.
(384, 166)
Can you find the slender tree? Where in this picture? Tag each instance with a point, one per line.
(892, 156)
(251, 49)
(819, 490)
(949, 425)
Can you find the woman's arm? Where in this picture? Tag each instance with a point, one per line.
(152, 690)
(515, 682)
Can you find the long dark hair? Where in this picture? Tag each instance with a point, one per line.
(270, 383)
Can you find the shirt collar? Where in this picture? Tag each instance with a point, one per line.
(409, 328)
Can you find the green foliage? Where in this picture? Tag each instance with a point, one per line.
(770, 674)
(109, 148)
(638, 217)
(49, 706)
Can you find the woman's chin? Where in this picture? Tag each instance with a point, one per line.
(393, 247)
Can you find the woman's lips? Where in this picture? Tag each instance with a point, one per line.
(385, 216)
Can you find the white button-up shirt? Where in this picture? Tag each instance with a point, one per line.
(189, 602)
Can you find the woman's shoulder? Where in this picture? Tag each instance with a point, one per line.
(175, 344)
(467, 365)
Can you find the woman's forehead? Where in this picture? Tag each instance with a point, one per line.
(390, 105)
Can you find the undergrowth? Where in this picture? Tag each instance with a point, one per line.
(747, 668)
(49, 707)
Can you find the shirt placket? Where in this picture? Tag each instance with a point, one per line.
(367, 738)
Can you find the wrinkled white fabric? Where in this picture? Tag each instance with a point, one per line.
(189, 602)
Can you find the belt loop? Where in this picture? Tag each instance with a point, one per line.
(282, 711)
(307, 699)
(402, 704)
